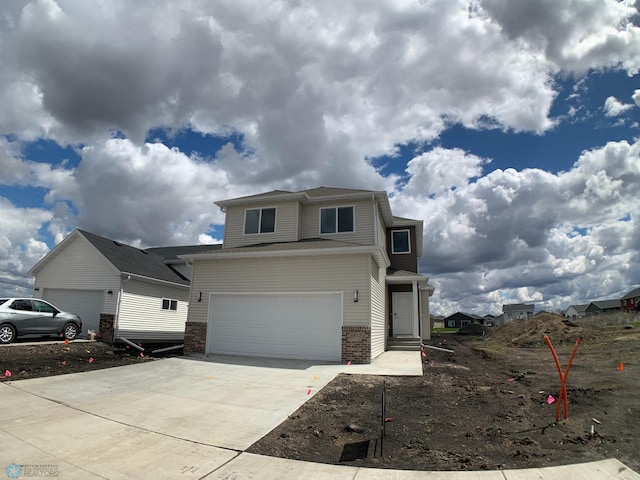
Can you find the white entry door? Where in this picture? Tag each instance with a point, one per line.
(402, 314)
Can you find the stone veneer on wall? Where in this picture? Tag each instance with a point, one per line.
(106, 330)
(356, 344)
(195, 337)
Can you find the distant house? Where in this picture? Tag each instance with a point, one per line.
(603, 306)
(496, 321)
(140, 294)
(461, 319)
(576, 311)
(517, 311)
(631, 301)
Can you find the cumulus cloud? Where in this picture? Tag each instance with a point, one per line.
(314, 90)
(614, 107)
(576, 35)
(527, 235)
(20, 247)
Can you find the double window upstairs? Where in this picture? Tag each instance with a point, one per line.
(336, 220)
(259, 220)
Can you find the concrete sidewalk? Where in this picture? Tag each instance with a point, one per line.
(252, 466)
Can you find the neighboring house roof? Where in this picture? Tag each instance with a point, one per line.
(606, 304)
(579, 308)
(632, 294)
(150, 263)
(463, 315)
(518, 307)
(132, 260)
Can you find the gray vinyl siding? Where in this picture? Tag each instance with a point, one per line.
(79, 266)
(362, 218)
(319, 273)
(142, 317)
(378, 315)
(286, 225)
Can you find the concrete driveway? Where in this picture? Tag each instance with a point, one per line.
(172, 418)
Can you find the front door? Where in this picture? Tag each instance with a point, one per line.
(402, 313)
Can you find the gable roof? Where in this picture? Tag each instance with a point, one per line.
(579, 308)
(605, 304)
(632, 294)
(132, 260)
(150, 263)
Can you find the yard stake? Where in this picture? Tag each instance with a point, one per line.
(562, 398)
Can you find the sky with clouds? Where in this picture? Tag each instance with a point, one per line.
(511, 127)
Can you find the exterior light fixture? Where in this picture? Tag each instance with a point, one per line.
(200, 296)
(110, 292)
(355, 296)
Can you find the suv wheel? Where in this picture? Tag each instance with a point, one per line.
(70, 331)
(7, 333)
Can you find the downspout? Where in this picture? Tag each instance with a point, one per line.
(416, 312)
(117, 319)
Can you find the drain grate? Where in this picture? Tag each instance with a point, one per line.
(355, 451)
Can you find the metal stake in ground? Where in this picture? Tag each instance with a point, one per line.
(383, 425)
(562, 398)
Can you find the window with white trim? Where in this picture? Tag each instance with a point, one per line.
(400, 242)
(451, 323)
(336, 220)
(259, 220)
(169, 304)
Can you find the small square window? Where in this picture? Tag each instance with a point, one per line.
(400, 241)
(259, 220)
(168, 304)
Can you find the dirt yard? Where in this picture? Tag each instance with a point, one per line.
(47, 358)
(486, 406)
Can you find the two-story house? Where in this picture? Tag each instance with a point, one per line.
(326, 274)
(518, 311)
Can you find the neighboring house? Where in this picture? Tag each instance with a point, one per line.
(576, 311)
(461, 319)
(631, 301)
(138, 294)
(517, 311)
(603, 306)
(437, 321)
(498, 321)
(325, 274)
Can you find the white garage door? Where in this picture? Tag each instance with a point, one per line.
(306, 326)
(86, 303)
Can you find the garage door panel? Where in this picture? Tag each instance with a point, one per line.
(284, 325)
(85, 303)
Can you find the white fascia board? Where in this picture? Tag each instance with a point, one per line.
(124, 275)
(292, 253)
(259, 200)
(408, 279)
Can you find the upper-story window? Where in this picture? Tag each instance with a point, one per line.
(336, 220)
(260, 220)
(400, 242)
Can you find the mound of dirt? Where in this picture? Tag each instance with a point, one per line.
(529, 333)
